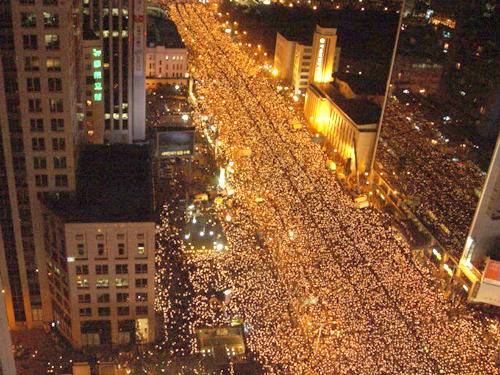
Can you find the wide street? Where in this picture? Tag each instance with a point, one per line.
(323, 287)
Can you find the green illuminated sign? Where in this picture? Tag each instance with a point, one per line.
(97, 64)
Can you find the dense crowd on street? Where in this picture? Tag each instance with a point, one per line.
(439, 182)
(321, 286)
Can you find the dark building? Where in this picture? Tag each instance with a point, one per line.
(471, 80)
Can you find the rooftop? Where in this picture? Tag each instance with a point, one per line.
(114, 184)
(361, 111)
(361, 84)
(163, 32)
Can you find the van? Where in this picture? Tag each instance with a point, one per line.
(361, 198)
(198, 198)
(363, 204)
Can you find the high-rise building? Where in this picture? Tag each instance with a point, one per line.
(117, 30)
(480, 261)
(99, 244)
(38, 122)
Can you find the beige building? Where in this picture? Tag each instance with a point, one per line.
(38, 119)
(293, 56)
(100, 250)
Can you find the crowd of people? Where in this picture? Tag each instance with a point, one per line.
(441, 185)
(321, 286)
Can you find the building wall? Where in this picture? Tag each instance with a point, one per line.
(40, 126)
(345, 138)
(83, 278)
(164, 62)
(7, 364)
(121, 30)
(484, 232)
(301, 67)
(283, 57)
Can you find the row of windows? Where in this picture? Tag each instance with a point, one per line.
(32, 2)
(100, 236)
(101, 282)
(37, 125)
(38, 144)
(103, 269)
(30, 42)
(28, 19)
(42, 180)
(81, 251)
(120, 297)
(33, 84)
(120, 310)
(40, 162)
(55, 105)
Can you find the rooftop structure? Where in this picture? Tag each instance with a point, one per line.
(113, 185)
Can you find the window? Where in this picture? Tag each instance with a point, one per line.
(141, 310)
(49, 2)
(103, 311)
(41, 180)
(84, 298)
(52, 41)
(80, 250)
(99, 237)
(58, 144)
(57, 124)
(102, 283)
(36, 124)
(31, 64)
(61, 180)
(34, 105)
(121, 249)
(59, 162)
(101, 269)
(121, 283)
(33, 84)
(82, 283)
(30, 42)
(123, 310)
(121, 269)
(50, 19)
(55, 84)
(141, 268)
(38, 144)
(27, 2)
(39, 163)
(56, 105)
(141, 283)
(86, 311)
(103, 298)
(28, 19)
(141, 249)
(141, 297)
(122, 297)
(82, 270)
(53, 64)
(100, 250)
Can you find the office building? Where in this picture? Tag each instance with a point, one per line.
(166, 54)
(480, 261)
(344, 109)
(119, 28)
(100, 248)
(38, 120)
(293, 56)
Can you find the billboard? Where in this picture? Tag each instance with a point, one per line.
(175, 142)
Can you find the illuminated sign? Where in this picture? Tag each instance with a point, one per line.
(97, 65)
(319, 60)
